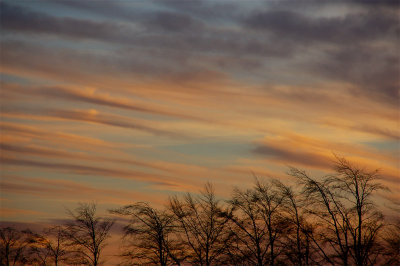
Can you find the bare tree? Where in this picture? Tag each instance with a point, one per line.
(38, 252)
(87, 233)
(56, 244)
(389, 238)
(203, 227)
(299, 248)
(327, 221)
(151, 236)
(257, 223)
(49, 247)
(391, 244)
(248, 227)
(270, 202)
(343, 204)
(13, 246)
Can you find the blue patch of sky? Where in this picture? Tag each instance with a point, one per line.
(52, 8)
(54, 41)
(393, 145)
(225, 150)
(9, 78)
(92, 10)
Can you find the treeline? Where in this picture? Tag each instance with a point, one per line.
(327, 221)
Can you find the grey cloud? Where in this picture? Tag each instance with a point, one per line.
(206, 10)
(154, 52)
(291, 156)
(128, 10)
(197, 39)
(33, 150)
(351, 46)
(387, 133)
(285, 24)
(377, 3)
(173, 22)
(25, 20)
(180, 42)
(373, 71)
(357, 27)
(157, 16)
(126, 65)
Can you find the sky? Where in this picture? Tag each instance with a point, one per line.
(115, 102)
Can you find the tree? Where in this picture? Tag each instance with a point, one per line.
(151, 236)
(258, 223)
(204, 230)
(56, 244)
(299, 248)
(51, 246)
(87, 233)
(391, 244)
(13, 246)
(343, 204)
(248, 227)
(326, 221)
(39, 254)
(270, 202)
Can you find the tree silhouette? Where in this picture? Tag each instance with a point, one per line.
(248, 228)
(56, 244)
(204, 231)
(87, 233)
(299, 248)
(322, 221)
(270, 203)
(39, 254)
(392, 245)
(343, 204)
(50, 247)
(151, 236)
(14, 245)
(258, 223)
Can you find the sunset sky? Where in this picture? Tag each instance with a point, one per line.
(123, 101)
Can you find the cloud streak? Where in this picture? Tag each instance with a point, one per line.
(91, 116)
(161, 96)
(15, 129)
(91, 170)
(296, 157)
(91, 97)
(48, 188)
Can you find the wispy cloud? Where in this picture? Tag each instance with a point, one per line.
(92, 97)
(65, 189)
(289, 155)
(16, 129)
(91, 170)
(92, 116)
(10, 212)
(165, 95)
